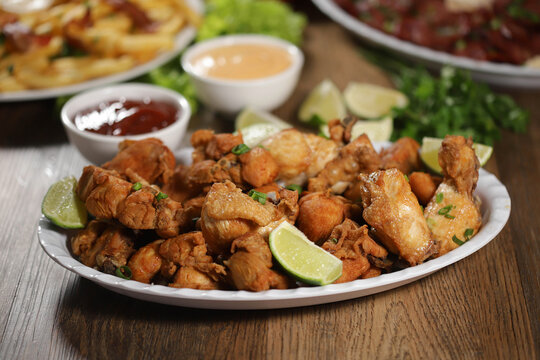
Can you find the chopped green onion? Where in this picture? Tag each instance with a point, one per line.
(323, 135)
(161, 196)
(124, 272)
(259, 196)
(240, 149)
(445, 210)
(439, 198)
(137, 186)
(406, 177)
(10, 69)
(448, 216)
(334, 240)
(294, 187)
(457, 241)
(468, 233)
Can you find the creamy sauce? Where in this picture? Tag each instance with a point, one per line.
(242, 61)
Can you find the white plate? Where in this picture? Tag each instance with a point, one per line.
(495, 212)
(506, 75)
(182, 39)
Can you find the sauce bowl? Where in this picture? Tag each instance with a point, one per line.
(99, 148)
(232, 95)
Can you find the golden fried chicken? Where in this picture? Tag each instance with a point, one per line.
(357, 157)
(393, 211)
(423, 185)
(351, 244)
(196, 269)
(149, 159)
(228, 213)
(178, 187)
(210, 146)
(453, 211)
(258, 167)
(103, 246)
(318, 214)
(251, 263)
(322, 152)
(402, 155)
(146, 263)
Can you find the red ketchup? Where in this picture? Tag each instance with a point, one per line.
(126, 117)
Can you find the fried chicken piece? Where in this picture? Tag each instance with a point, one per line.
(178, 187)
(196, 269)
(103, 246)
(258, 167)
(148, 158)
(357, 157)
(453, 211)
(423, 185)
(210, 146)
(319, 213)
(392, 209)
(146, 263)
(291, 152)
(402, 155)
(228, 213)
(102, 191)
(351, 244)
(341, 130)
(251, 263)
(322, 152)
(207, 172)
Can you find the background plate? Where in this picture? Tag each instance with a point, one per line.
(505, 75)
(183, 39)
(495, 212)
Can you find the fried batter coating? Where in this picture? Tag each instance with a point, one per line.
(402, 155)
(319, 213)
(322, 152)
(196, 269)
(392, 209)
(210, 146)
(423, 186)
(351, 244)
(146, 263)
(453, 211)
(291, 152)
(148, 158)
(258, 167)
(357, 157)
(250, 265)
(103, 246)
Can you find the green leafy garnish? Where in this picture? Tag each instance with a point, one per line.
(272, 18)
(240, 149)
(467, 235)
(294, 187)
(161, 196)
(316, 121)
(445, 211)
(439, 198)
(124, 272)
(137, 186)
(457, 241)
(259, 196)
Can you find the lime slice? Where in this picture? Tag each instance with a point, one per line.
(302, 258)
(372, 101)
(254, 134)
(63, 207)
(429, 153)
(325, 102)
(250, 116)
(376, 130)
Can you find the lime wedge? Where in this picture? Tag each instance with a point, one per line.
(429, 153)
(250, 116)
(325, 102)
(302, 258)
(63, 207)
(254, 134)
(376, 130)
(372, 101)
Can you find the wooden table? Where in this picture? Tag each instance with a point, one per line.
(485, 306)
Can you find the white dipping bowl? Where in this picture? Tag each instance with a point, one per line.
(98, 148)
(231, 96)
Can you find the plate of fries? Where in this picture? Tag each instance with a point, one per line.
(75, 45)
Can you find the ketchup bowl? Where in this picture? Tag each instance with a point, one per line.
(228, 75)
(126, 111)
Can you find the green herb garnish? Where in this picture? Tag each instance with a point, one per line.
(137, 186)
(457, 241)
(468, 233)
(10, 69)
(323, 135)
(294, 187)
(123, 272)
(161, 196)
(240, 149)
(439, 198)
(316, 121)
(334, 240)
(259, 196)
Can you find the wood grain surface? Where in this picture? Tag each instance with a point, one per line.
(483, 307)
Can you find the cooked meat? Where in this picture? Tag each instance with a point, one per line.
(402, 155)
(423, 186)
(210, 146)
(319, 213)
(258, 167)
(393, 211)
(146, 263)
